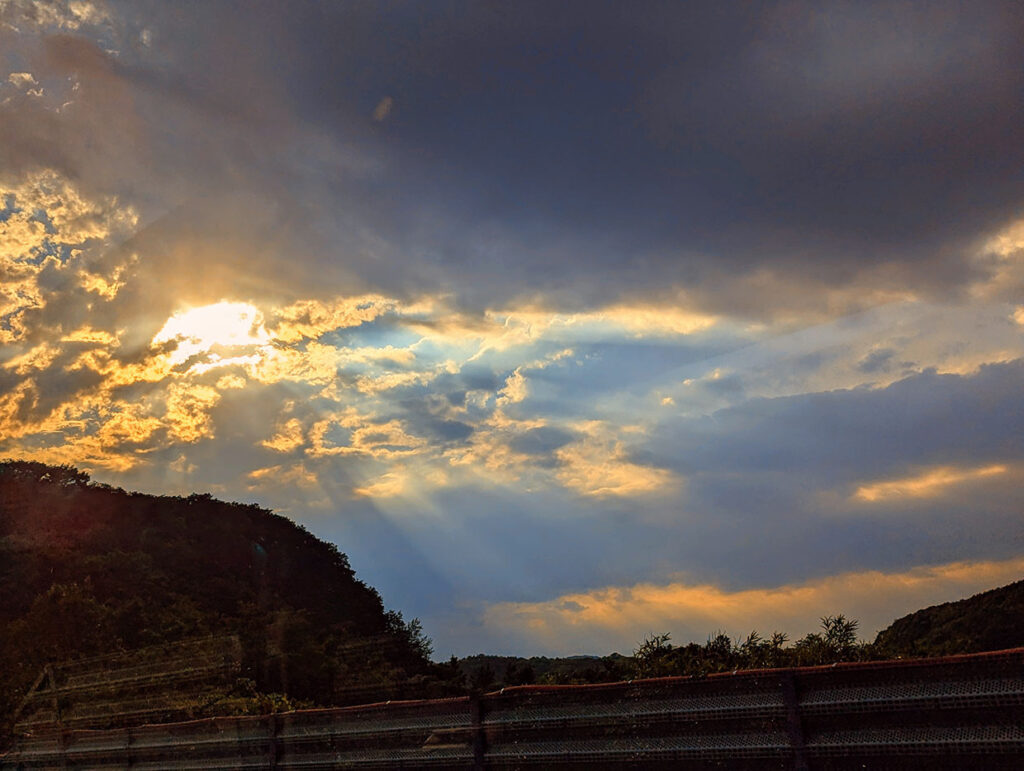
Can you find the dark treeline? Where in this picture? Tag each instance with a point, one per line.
(657, 656)
(992, 620)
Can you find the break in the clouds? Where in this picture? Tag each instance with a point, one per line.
(563, 321)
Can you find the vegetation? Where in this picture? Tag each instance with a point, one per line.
(483, 672)
(992, 620)
(87, 569)
(837, 641)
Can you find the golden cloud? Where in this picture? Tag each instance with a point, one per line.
(288, 437)
(128, 424)
(598, 465)
(388, 485)
(296, 474)
(623, 615)
(309, 319)
(188, 411)
(515, 390)
(928, 484)
(70, 15)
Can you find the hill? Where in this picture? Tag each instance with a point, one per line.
(87, 569)
(989, 621)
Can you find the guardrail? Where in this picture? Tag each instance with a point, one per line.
(955, 712)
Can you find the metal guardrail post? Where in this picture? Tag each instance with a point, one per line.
(273, 747)
(476, 716)
(62, 737)
(794, 725)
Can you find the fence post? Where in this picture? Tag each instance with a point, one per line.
(794, 726)
(272, 744)
(476, 716)
(62, 742)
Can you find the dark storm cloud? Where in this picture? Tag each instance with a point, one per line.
(541, 441)
(821, 141)
(575, 151)
(851, 435)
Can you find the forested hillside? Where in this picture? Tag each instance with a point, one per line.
(989, 621)
(88, 569)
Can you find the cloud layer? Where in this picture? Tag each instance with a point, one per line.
(624, 308)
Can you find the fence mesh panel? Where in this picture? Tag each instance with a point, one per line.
(958, 712)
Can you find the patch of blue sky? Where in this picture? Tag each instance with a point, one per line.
(378, 333)
(613, 367)
(10, 207)
(337, 436)
(48, 248)
(42, 216)
(432, 349)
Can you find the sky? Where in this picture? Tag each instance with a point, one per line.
(570, 323)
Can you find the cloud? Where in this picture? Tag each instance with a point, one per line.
(61, 14)
(310, 319)
(289, 437)
(21, 79)
(617, 618)
(513, 285)
(927, 484)
(599, 465)
(188, 411)
(516, 389)
(919, 420)
(385, 486)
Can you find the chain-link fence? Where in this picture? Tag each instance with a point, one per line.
(957, 712)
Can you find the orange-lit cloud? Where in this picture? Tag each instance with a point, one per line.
(619, 617)
(295, 474)
(71, 15)
(188, 411)
(599, 466)
(309, 319)
(1001, 258)
(515, 390)
(928, 484)
(394, 482)
(288, 437)
(51, 237)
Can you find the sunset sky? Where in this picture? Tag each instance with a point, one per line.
(569, 322)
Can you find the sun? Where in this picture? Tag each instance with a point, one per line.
(219, 334)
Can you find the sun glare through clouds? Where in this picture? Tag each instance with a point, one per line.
(211, 331)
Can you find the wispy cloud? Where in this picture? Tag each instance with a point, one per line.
(928, 484)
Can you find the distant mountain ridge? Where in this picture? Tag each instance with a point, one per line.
(991, 620)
